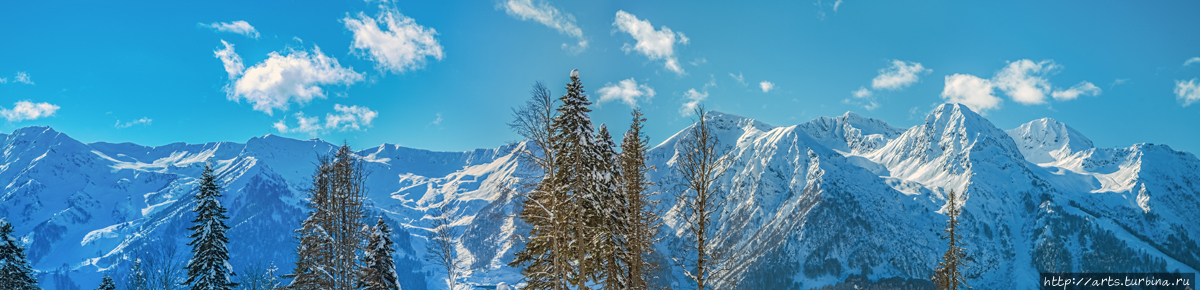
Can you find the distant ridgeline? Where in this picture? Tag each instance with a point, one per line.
(835, 200)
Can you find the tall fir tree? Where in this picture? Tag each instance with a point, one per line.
(611, 239)
(644, 221)
(107, 284)
(573, 173)
(544, 260)
(378, 268)
(209, 268)
(330, 238)
(948, 274)
(15, 271)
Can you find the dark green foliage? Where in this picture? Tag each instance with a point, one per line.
(378, 268)
(948, 274)
(107, 284)
(15, 271)
(209, 267)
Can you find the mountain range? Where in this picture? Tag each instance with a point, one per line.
(830, 202)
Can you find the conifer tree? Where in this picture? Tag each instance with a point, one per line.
(575, 162)
(543, 207)
(209, 268)
(107, 284)
(644, 221)
(702, 163)
(15, 271)
(948, 274)
(611, 236)
(330, 238)
(378, 268)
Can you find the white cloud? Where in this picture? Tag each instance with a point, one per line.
(836, 5)
(1187, 92)
(282, 79)
(3, 80)
(1118, 82)
(739, 78)
(1191, 61)
(627, 91)
(347, 118)
(1024, 80)
(22, 77)
(26, 110)
(438, 120)
(403, 46)
(231, 60)
(694, 98)
(899, 75)
(766, 86)
(861, 92)
(143, 121)
(699, 61)
(549, 16)
(239, 27)
(1082, 88)
(654, 44)
(972, 91)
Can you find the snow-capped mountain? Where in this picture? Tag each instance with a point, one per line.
(847, 200)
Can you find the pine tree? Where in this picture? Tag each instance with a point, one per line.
(702, 164)
(611, 236)
(644, 222)
(330, 238)
(15, 271)
(107, 284)
(575, 180)
(544, 206)
(379, 270)
(209, 268)
(948, 274)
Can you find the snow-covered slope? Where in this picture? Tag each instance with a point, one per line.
(809, 205)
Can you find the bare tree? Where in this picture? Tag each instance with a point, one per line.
(331, 237)
(164, 267)
(545, 257)
(702, 163)
(259, 277)
(948, 274)
(442, 245)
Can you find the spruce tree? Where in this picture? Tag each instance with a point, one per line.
(543, 207)
(314, 244)
(644, 221)
(15, 271)
(573, 173)
(107, 284)
(611, 236)
(209, 268)
(378, 268)
(948, 274)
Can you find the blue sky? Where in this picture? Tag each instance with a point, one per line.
(443, 75)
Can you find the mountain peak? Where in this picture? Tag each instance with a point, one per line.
(1048, 140)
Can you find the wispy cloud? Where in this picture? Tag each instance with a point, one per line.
(861, 92)
(239, 27)
(281, 79)
(346, 118)
(972, 91)
(1025, 81)
(1117, 82)
(541, 12)
(739, 78)
(1187, 92)
(694, 98)
(26, 110)
(1190, 61)
(899, 75)
(627, 91)
(654, 44)
(393, 41)
(21, 77)
(1082, 88)
(766, 86)
(438, 120)
(143, 121)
